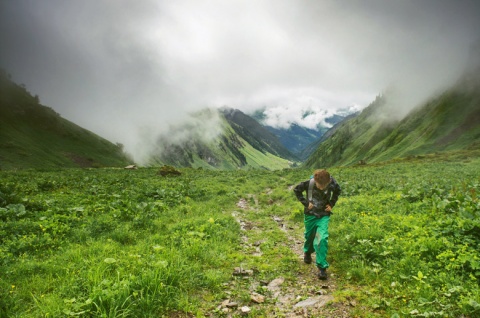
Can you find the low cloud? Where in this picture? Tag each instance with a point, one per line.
(303, 115)
(203, 126)
(122, 69)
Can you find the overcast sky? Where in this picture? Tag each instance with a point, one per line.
(125, 69)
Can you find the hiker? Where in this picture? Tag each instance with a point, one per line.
(322, 194)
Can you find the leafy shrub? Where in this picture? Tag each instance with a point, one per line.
(113, 243)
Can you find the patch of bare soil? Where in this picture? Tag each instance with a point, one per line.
(307, 296)
(80, 161)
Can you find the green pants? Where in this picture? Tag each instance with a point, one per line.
(316, 238)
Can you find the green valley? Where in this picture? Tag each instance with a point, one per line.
(238, 142)
(181, 195)
(131, 243)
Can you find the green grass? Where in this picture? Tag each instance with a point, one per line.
(227, 151)
(448, 122)
(257, 159)
(115, 243)
(35, 136)
(23, 145)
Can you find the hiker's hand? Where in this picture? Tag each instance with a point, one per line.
(310, 205)
(328, 208)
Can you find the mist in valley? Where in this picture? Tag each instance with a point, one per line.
(132, 72)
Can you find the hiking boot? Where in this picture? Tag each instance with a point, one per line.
(307, 258)
(322, 273)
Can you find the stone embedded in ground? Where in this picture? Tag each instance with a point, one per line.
(319, 301)
(245, 310)
(243, 204)
(325, 300)
(257, 298)
(231, 304)
(246, 225)
(238, 271)
(258, 243)
(307, 302)
(258, 252)
(277, 219)
(276, 282)
(285, 299)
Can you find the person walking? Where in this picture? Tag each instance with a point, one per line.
(322, 194)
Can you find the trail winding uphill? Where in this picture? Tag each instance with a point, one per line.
(298, 293)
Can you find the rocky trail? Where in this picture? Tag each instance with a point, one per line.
(304, 296)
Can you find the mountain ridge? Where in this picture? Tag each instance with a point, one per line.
(35, 136)
(296, 138)
(241, 143)
(447, 122)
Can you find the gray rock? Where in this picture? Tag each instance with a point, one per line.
(276, 282)
(257, 298)
(320, 301)
(245, 310)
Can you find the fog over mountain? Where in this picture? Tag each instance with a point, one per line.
(128, 70)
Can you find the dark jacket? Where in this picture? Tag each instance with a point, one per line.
(320, 198)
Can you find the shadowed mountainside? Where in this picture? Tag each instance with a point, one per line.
(240, 143)
(35, 136)
(447, 122)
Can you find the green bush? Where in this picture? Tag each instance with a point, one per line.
(107, 242)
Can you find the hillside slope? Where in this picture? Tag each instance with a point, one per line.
(310, 148)
(448, 122)
(240, 143)
(35, 136)
(298, 139)
(255, 134)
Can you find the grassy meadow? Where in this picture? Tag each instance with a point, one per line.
(404, 240)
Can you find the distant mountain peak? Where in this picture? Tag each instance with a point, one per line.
(297, 138)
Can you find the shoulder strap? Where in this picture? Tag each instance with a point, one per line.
(310, 189)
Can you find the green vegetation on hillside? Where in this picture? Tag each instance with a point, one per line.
(239, 143)
(255, 134)
(117, 243)
(449, 122)
(300, 141)
(35, 136)
(297, 138)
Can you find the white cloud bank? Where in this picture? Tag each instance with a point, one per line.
(120, 68)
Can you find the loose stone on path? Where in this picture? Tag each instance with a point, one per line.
(319, 301)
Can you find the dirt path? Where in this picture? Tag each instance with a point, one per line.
(307, 296)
